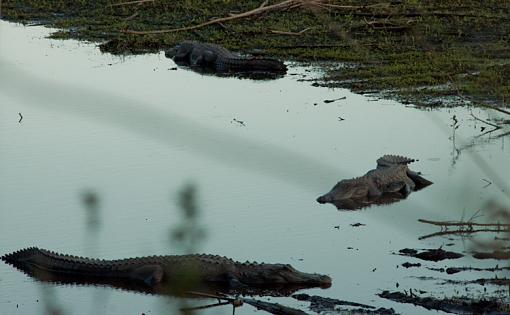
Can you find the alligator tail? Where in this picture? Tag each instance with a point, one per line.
(252, 65)
(20, 255)
(33, 258)
(389, 160)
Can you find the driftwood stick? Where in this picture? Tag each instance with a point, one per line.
(259, 10)
(460, 223)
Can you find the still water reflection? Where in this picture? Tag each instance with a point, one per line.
(135, 132)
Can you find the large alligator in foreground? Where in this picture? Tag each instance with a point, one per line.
(391, 181)
(157, 274)
(217, 59)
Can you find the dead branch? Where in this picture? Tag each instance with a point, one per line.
(465, 224)
(129, 2)
(496, 127)
(212, 296)
(261, 9)
(354, 7)
(274, 308)
(289, 33)
(201, 307)
(463, 232)
(132, 16)
(466, 228)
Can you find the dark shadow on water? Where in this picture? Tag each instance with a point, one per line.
(363, 203)
(166, 127)
(44, 276)
(91, 202)
(250, 75)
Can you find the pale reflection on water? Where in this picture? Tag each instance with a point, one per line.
(133, 132)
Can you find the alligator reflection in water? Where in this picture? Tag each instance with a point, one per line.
(214, 59)
(390, 182)
(158, 274)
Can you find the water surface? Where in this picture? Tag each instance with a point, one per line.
(136, 132)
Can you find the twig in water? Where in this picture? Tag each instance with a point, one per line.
(464, 227)
(463, 232)
(460, 223)
(334, 100)
(20, 118)
(496, 127)
(488, 183)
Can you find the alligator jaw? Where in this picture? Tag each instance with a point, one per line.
(312, 279)
(325, 198)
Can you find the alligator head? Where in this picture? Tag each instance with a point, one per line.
(181, 51)
(281, 274)
(347, 189)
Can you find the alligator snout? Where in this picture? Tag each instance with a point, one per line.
(170, 53)
(325, 282)
(324, 198)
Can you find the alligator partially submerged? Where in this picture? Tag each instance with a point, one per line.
(217, 59)
(153, 274)
(391, 181)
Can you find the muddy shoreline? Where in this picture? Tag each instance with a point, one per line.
(434, 54)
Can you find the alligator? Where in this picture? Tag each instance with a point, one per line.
(390, 181)
(153, 274)
(217, 59)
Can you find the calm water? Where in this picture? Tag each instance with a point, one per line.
(136, 132)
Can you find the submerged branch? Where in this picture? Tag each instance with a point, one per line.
(461, 232)
(464, 228)
(460, 223)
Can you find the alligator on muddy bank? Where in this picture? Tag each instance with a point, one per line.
(207, 57)
(391, 181)
(154, 274)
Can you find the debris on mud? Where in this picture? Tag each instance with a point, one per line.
(456, 305)
(500, 255)
(454, 270)
(274, 308)
(483, 281)
(430, 254)
(239, 122)
(321, 304)
(334, 100)
(410, 265)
